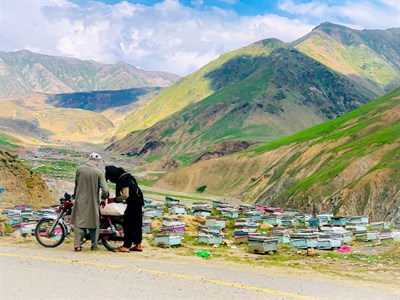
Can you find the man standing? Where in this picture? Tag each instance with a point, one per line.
(89, 179)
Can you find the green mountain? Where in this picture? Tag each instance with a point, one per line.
(349, 165)
(369, 57)
(262, 92)
(102, 100)
(25, 72)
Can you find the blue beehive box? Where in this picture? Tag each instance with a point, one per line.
(329, 243)
(313, 222)
(324, 218)
(210, 239)
(303, 240)
(339, 221)
(262, 245)
(359, 220)
(290, 213)
(366, 236)
(230, 213)
(177, 210)
(290, 222)
(202, 212)
(171, 201)
(216, 222)
(167, 239)
(273, 220)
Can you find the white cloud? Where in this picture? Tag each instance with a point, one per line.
(391, 3)
(167, 36)
(355, 13)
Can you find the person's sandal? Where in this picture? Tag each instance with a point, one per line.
(77, 249)
(122, 249)
(138, 248)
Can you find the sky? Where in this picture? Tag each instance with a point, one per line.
(177, 36)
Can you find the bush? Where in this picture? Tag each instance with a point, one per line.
(201, 189)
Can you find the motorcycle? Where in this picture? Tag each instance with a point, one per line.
(51, 230)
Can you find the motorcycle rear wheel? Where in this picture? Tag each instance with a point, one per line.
(45, 237)
(111, 241)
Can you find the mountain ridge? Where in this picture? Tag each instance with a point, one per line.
(25, 72)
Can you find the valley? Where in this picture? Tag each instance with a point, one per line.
(264, 136)
(272, 123)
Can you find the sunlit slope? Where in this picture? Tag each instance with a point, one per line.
(350, 165)
(30, 125)
(19, 121)
(370, 57)
(70, 124)
(191, 88)
(274, 96)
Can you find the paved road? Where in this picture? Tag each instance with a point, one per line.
(40, 273)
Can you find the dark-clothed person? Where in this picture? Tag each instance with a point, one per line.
(127, 190)
(89, 180)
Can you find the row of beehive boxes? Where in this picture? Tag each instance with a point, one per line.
(246, 232)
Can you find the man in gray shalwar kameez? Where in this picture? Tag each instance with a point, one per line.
(89, 179)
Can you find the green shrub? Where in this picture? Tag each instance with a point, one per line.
(201, 189)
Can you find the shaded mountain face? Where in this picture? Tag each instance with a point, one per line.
(274, 96)
(349, 165)
(369, 57)
(24, 72)
(101, 100)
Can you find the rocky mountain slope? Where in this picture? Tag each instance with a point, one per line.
(24, 72)
(349, 165)
(263, 92)
(21, 185)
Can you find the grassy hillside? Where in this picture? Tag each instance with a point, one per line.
(70, 124)
(191, 89)
(349, 165)
(370, 57)
(260, 98)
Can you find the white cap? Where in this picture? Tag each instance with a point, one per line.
(95, 155)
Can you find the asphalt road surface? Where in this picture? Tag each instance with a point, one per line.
(41, 273)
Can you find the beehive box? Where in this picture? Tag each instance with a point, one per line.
(166, 240)
(262, 245)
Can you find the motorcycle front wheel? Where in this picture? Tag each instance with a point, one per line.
(112, 241)
(49, 238)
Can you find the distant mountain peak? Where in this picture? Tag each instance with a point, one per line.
(26, 72)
